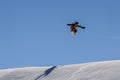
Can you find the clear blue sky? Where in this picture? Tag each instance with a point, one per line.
(34, 32)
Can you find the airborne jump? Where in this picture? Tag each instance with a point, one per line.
(73, 27)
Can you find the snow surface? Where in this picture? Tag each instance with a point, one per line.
(105, 70)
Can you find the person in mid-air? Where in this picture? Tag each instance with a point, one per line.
(73, 27)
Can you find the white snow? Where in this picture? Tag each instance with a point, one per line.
(105, 70)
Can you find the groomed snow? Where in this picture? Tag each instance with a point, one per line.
(105, 70)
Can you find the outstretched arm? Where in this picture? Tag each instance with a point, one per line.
(69, 24)
(81, 27)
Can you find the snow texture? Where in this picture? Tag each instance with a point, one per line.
(105, 70)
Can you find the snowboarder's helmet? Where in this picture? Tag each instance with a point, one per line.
(76, 22)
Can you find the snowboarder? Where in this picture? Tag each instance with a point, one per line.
(73, 27)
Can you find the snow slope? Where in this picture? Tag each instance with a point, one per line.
(106, 70)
